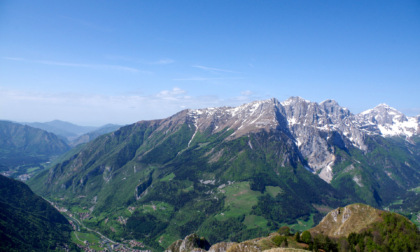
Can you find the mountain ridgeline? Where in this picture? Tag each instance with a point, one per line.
(236, 173)
(74, 134)
(23, 147)
(66, 130)
(16, 138)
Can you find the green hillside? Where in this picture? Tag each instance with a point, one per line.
(24, 150)
(380, 175)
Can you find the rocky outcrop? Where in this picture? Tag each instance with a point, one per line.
(191, 243)
(345, 220)
(221, 246)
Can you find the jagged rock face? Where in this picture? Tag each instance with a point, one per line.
(388, 121)
(327, 116)
(308, 124)
(313, 125)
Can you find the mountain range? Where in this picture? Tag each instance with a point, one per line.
(61, 128)
(73, 134)
(233, 173)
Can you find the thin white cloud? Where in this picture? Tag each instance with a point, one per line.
(214, 70)
(174, 94)
(82, 65)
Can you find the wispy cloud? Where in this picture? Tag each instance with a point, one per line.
(173, 94)
(214, 70)
(82, 65)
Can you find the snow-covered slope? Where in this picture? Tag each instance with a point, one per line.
(247, 118)
(388, 121)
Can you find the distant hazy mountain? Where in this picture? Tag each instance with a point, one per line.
(67, 130)
(233, 173)
(28, 222)
(23, 147)
(16, 137)
(94, 134)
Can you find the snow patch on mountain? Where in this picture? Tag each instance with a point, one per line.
(388, 122)
(250, 117)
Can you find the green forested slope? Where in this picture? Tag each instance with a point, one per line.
(28, 222)
(23, 147)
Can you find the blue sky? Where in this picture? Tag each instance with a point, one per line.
(97, 62)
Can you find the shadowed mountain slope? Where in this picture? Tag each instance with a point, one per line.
(28, 222)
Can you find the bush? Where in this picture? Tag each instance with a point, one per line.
(284, 231)
(306, 237)
(280, 241)
(297, 237)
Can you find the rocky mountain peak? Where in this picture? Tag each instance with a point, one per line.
(294, 100)
(333, 109)
(384, 114)
(250, 117)
(388, 121)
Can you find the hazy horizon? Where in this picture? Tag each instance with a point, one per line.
(122, 124)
